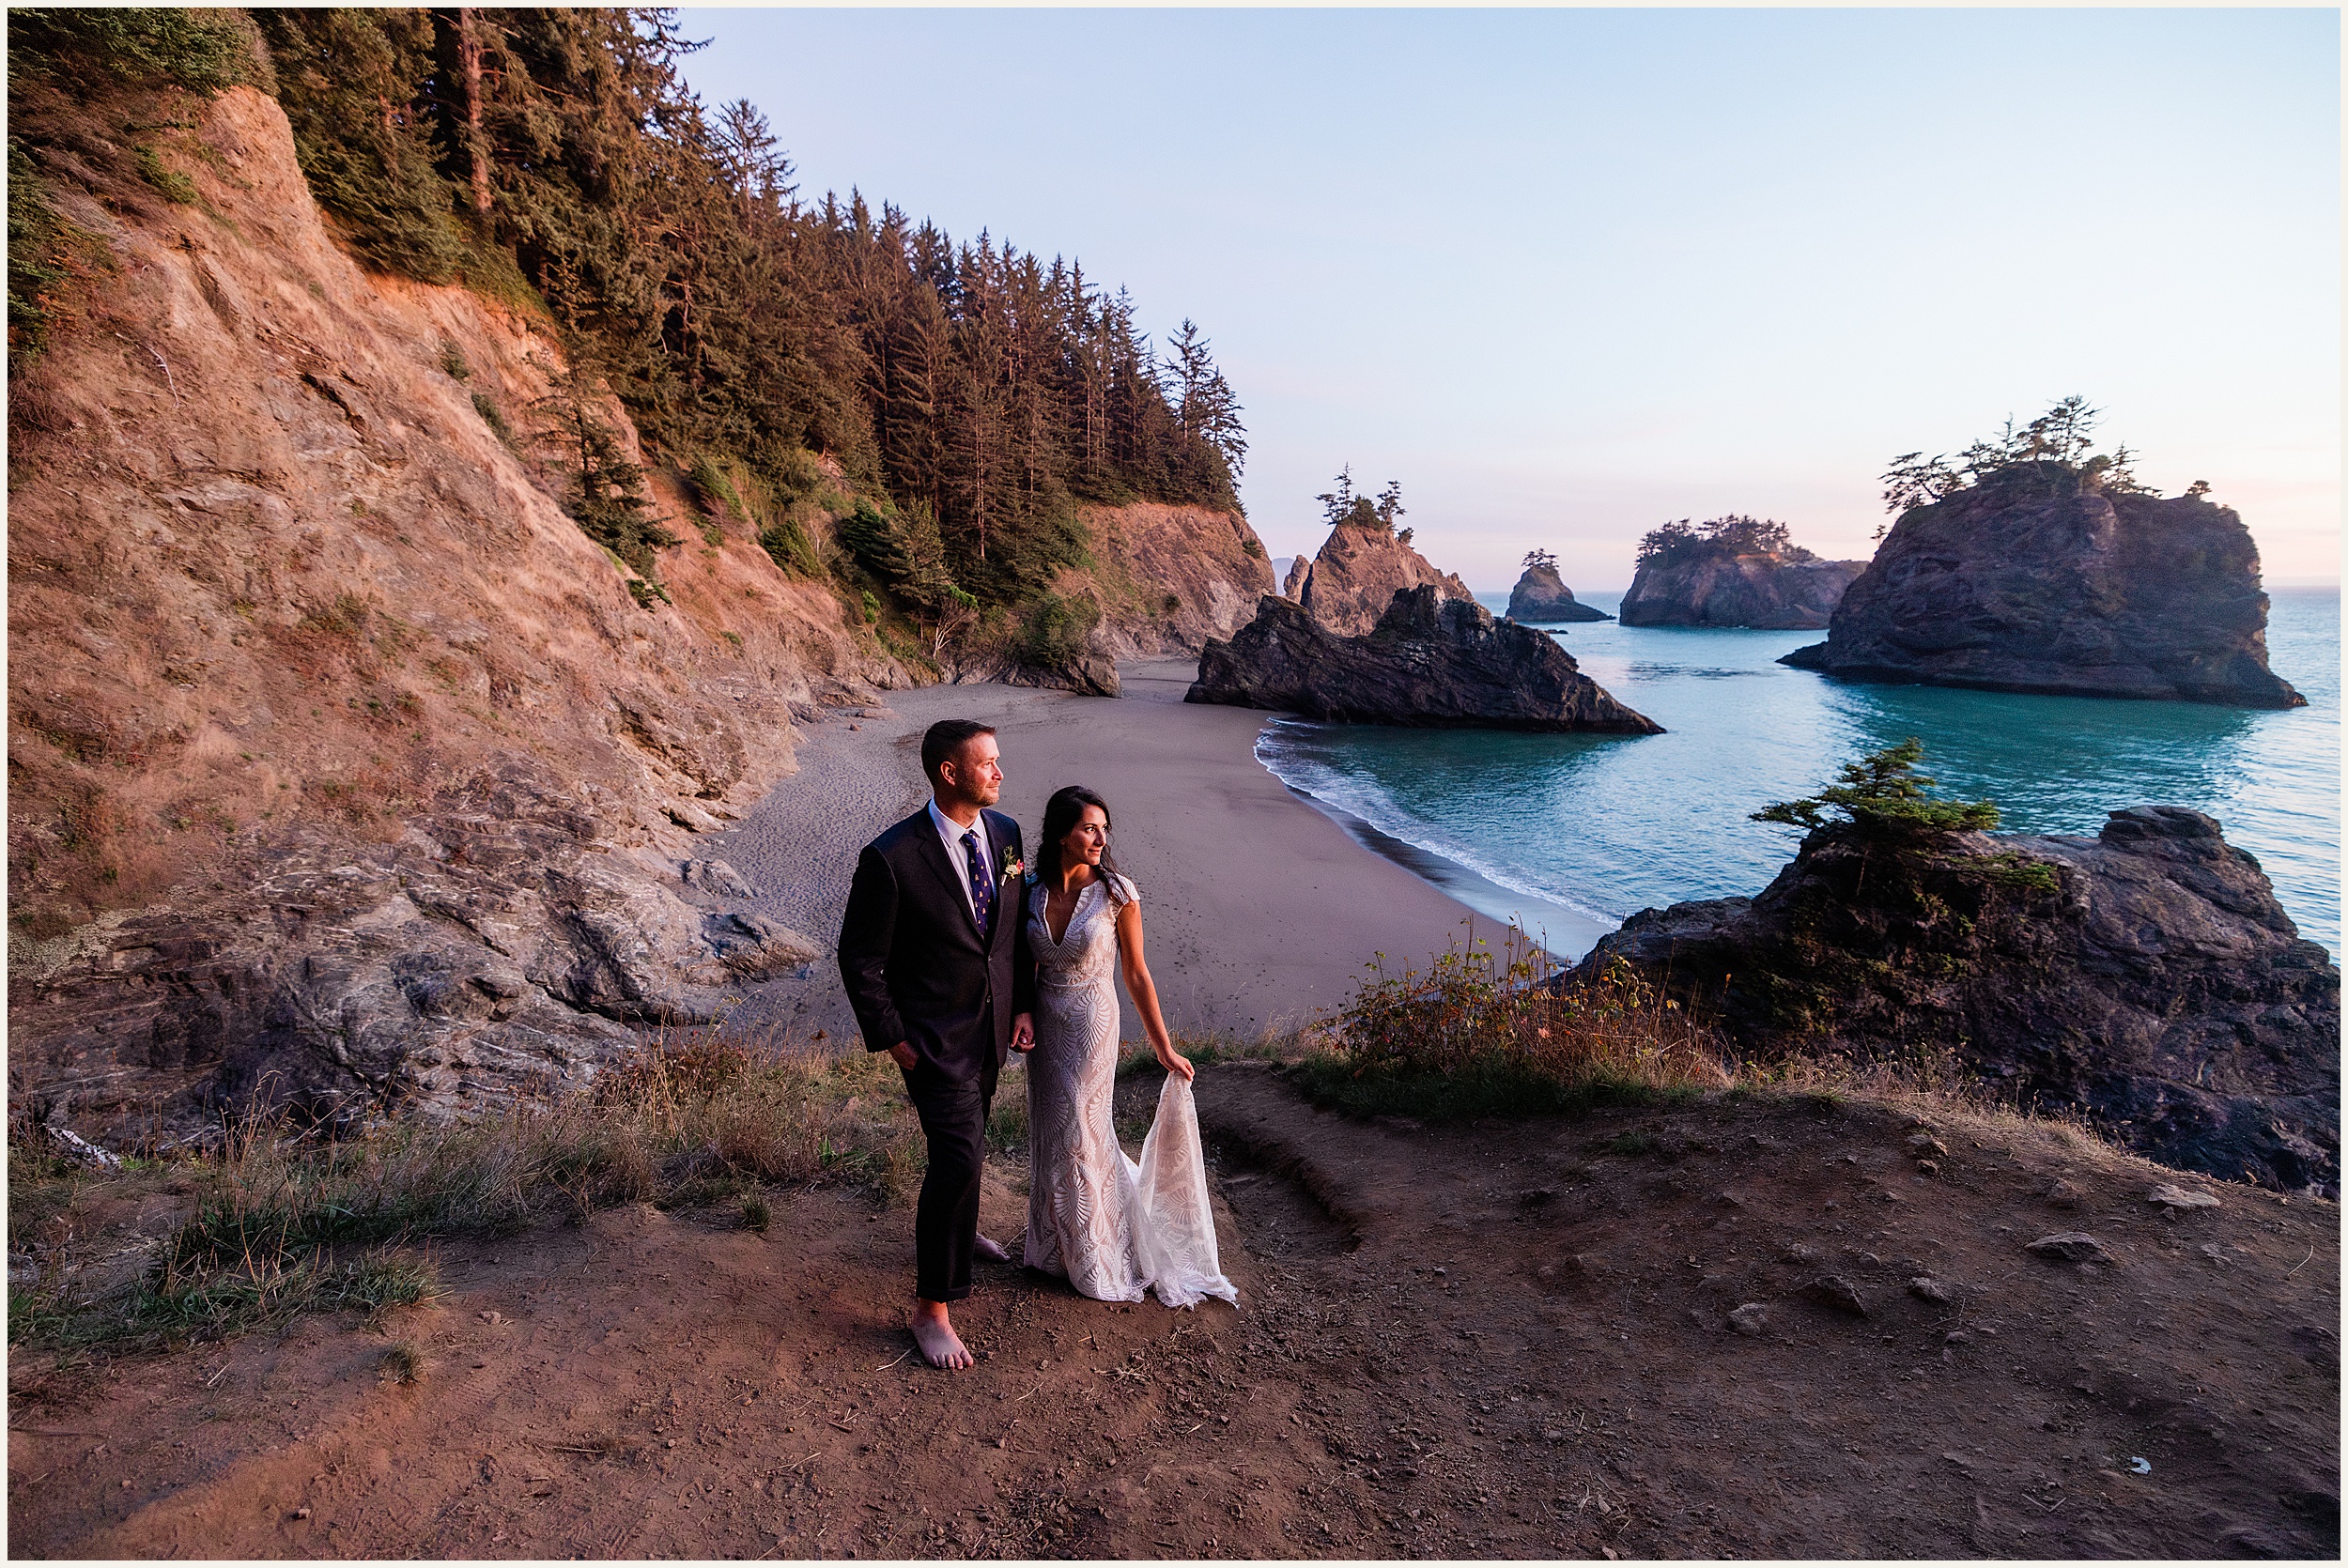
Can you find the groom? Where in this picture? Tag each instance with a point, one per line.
(935, 954)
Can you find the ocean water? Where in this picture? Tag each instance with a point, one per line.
(1572, 833)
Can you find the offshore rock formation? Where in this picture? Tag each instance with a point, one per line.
(2035, 582)
(1764, 590)
(2156, 988)
(1429, 661)
(1541, 598)
(1348, 586)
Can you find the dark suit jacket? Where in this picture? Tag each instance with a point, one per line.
(911, 956)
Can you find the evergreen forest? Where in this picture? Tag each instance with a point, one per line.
(973, 393)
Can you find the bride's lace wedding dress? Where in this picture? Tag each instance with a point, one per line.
(1110, 1225)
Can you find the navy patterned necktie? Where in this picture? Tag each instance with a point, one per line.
(981, 883)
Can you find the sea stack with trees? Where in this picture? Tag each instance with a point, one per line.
(1541, 598)
(2144, 979)
(1733, 571)
(1363, 562)
(2032, 563)
(1431, 661)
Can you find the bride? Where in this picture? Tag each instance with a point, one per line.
(1110, 1225)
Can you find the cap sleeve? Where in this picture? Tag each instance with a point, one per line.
(1126, 892)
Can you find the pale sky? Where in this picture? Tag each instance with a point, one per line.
(1569, 274)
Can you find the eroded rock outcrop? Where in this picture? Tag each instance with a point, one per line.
(1356, 575)
(498, 949)
(378, 771)
(2155, 986)
(1300, 567)
(2033, 581)
(1762, 590)
(1541, 598)
(1429, 661)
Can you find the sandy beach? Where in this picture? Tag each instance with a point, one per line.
(1260, 910)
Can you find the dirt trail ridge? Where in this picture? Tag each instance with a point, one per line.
(1761, 1326)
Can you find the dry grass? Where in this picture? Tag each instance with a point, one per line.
(694, 1119)
(1481, 1032)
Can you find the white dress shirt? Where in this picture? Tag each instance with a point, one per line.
(950, 835)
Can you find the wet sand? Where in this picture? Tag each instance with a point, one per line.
(1260, 910)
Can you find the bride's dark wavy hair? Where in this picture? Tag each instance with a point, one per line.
(1061, 815)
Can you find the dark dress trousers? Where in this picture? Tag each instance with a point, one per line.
(919, 970)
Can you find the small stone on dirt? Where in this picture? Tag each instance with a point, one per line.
(1752, 1320)
(1928, 1167)
(1835, 1291)
(298, 1512)
(1929, 1288)
(2061, 1194)
(1802, 1252)
(493, 1318)
(2176, 1198)
(1924, 1143)
(2073, 1246)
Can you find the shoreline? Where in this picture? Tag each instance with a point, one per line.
(1261, 909)
(1565, 932)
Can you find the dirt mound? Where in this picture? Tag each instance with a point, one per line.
(1738, 1327)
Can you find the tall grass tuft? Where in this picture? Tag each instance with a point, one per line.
(1481, 1032)
(692, 1118)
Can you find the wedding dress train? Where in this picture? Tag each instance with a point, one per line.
(1111, 1225)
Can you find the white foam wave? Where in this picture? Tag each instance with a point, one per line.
(1354, 794)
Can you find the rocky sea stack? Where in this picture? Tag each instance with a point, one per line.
(1349, 584)
(2039, 579)
(1733, 572)
(1429, 661)
(1542, 598)
(2145, 979)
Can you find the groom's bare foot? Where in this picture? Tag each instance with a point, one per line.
(940, 1346)
(991, 1250)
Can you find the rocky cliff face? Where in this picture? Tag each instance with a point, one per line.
(1541, 598)
(313, 675)
(1175, 576)
(2156, 988)
(2032, 582)
(1357, 573)
(345, 772)
(1764, 591)
(1431, 661)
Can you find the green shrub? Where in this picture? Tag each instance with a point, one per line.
(1883, 796)
(484, 405)
(174, 185)
(36, 238)
(1058, 632)
(790, 547)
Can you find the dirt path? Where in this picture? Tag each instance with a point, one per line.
(1500, 1341)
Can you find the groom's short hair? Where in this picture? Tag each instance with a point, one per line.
(945, 739)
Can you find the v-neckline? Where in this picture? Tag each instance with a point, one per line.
(1073, 910)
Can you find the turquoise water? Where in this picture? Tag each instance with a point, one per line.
(1577, 831)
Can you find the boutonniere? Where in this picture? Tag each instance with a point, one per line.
(1013, 866)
